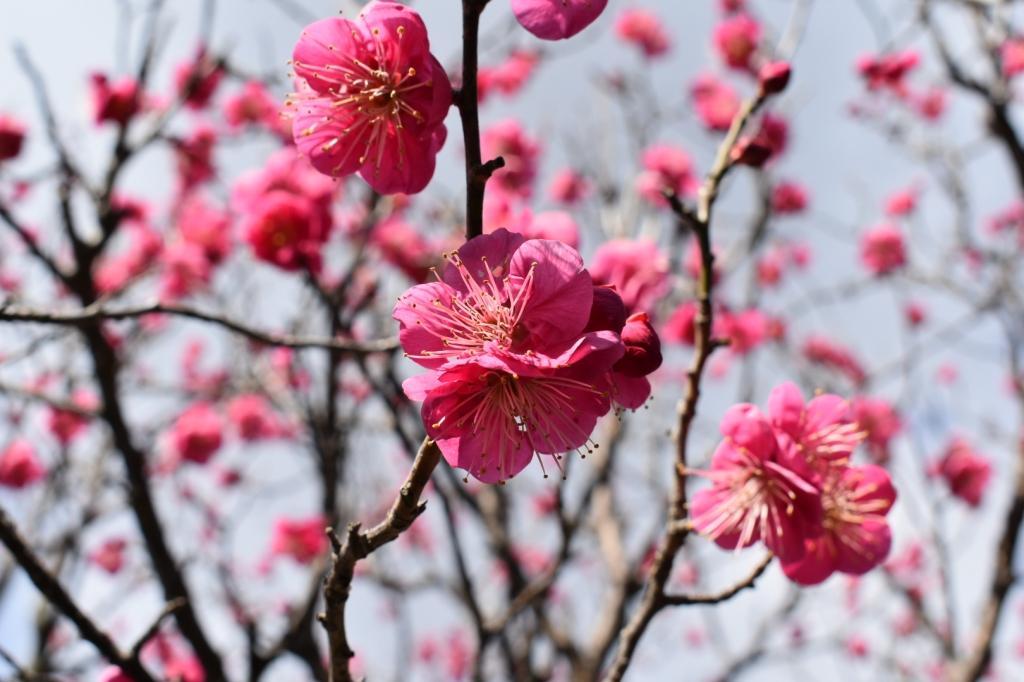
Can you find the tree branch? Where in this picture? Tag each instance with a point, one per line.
(51, 588)
(360, 544)
(97, 312)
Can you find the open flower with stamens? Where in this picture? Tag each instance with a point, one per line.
(517, 366)
(754, 496)
(499, 294)
(491, 415)
(371, 98)
(856, 537)
(823, 431)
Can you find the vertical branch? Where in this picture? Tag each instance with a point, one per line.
(677, 528)
(467, 100)
(360, 544)
(977, 659)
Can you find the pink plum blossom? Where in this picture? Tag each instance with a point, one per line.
(643, 29)
(666, 169)
(12, 137)
(754, 495)
(301, 539)
(371, 98)
(880, 423)
(856, 537)
(287, 231)
(557, 19)
(715, 101)
(823, 431)
(789, 198)
(117, 102)
(828, 353)
(882, 250)
(509, 77)
(568, 187)
(514, 372)
(736, 38)
(965, 471)
(20, 466)
(197, 434)
(1011, 56)
(635, 268)
(520, 151)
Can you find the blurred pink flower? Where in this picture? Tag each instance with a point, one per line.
(20, 466)
(643, 29)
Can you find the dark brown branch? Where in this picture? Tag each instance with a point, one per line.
(51, 588)
(467, 100)
(167, 611)
(359, 544)
(726, 594)
(96, 312)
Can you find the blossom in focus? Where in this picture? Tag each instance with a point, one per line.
(12, 137)
(302, 539)
(20, 466)
(966, 472)
(514, 372)
(643, 29)
(371, 98)
(856, 536)
(823, 430)
(635, 268)
(557, 19)
(197, 434)
(736, 38)
(882, 250)
(631, 388)
(754, 495)
(117, 101)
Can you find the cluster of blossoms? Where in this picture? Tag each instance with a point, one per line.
(526, 353)
(786, 479)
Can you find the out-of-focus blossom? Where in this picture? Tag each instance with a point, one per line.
(636, 268)
(20, 466)
(643, 29)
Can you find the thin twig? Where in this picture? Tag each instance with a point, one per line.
(51, 588)
(359, 544)
(97, 312)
